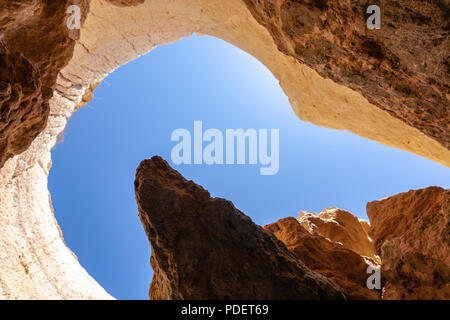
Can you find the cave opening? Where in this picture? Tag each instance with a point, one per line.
(131, 118)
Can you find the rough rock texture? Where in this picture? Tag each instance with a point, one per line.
(412, 235)
(402, 68)
(341, 227)
(126, 3)
(343, 266)
(35, 45)
(23, 111)
(34, 260)
(205, 248)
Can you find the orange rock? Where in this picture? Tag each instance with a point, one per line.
(402, 72)
(411, 232)
(341, 227)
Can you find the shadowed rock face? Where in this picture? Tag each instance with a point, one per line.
(340, 226)
(343, 266)
(412, 235)
(23, 107)
(204, 248)
(35, 45)
(403, 68)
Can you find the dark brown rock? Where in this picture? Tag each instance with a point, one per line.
(23, 110)
(35, 45)
(412, 235)
(402, 68)
(345, 267)
(204, 248)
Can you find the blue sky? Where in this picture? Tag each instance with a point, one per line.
(132, 117)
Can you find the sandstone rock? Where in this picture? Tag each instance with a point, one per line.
(205, 248)
(412, 235)
(110, 37)
(35, 45)
(345, 267)
(126, 3)
(401, 68)
(23, 111)
(341, 227)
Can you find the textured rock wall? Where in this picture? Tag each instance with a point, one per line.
(35, 45)
(205, 248)
(126, 3)
(412, 235)
(341, 227)
(402, 68)
(35, 263)
(331, 259)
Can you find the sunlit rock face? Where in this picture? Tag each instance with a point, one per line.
(334, 75)
(412, 236)
(341, 227)
(126, 3)
(345, 267)
(205, 248)
(402, 68)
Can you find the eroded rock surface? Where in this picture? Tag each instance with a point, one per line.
(126, 3)
(340, 226)
(35, 44)
(402, 68)
(23, 108)
(205, 248)
(34, 37)
(345, 267)
(412, 235)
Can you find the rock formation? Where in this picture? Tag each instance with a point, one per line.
(126, 3)
(389, 85)
(345, 267)
(402, 68)
(205, 248)
(412, 236)
(342, 227)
